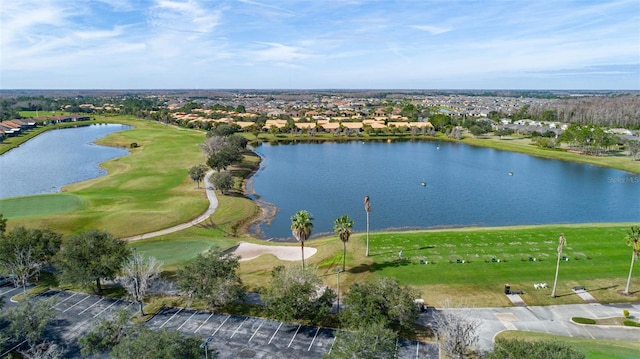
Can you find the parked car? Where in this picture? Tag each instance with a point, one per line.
(6, 279)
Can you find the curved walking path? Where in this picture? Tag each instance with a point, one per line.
(213, 204)
(245, 250)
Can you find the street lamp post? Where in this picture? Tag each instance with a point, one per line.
(205, 345)
(338, 291)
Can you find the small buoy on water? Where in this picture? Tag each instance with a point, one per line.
(423, 183)
(510, 173)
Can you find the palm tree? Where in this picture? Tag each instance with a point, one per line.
(342, 228)
(367, 208)
(301, 227)
(633, 241)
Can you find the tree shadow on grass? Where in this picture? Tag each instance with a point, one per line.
(362, 268)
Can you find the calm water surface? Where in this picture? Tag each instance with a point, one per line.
(465, 186)
(55, 159)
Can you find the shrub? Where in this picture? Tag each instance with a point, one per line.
(631, 323)
(581, 320)
(133, 145)
(625, 313)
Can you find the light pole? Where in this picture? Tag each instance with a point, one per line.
(205, 345)
(367, 208)
(338, 291)
(561, 242)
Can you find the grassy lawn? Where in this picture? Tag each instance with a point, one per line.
(592, 348)
(597, 259)
(40, 205)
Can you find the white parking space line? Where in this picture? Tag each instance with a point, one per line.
(89, 307)
(112, 304)
(167, 321)
(221, 324)
(314, 339)
(274, 333)
(65, 299)
(203, 323)
(10, 290)
(238, 328)
(294, 335)
(417, 349)
(332, 343)
(82, 300)
(254, 333)
(185, 322)
(395, 354)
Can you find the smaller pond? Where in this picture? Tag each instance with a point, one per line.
(56, 158)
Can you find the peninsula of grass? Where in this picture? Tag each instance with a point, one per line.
(144, 191)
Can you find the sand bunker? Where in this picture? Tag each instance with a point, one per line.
(250, 251)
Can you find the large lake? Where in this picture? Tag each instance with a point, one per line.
(464, 186)
(55, 159)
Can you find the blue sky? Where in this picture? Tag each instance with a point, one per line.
(320, 44)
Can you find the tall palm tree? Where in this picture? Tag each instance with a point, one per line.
(367, 208)
(633, 241)
(301, 227)
(342, 227)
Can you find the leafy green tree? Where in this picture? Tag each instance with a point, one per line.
(342, 226)
(222, 181)
(224, 158)
(297, 293)
(370, 342)
(542, 349)
(3, 225)
(301, 226)
(137, 276)
(382, 300)
(197, 173)
(106, 334)
(633, 241)
(238, 141)
(28, 320)
(212, 277)
(224, 129)
(142, 342)
(91, 256)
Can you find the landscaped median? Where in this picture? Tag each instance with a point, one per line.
(615, 321)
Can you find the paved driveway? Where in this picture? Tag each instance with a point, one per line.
(553, 319)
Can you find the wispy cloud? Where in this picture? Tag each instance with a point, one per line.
(433, 30)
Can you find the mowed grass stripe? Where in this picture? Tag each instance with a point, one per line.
(39, 205)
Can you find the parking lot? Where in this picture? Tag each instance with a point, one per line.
(232, 336)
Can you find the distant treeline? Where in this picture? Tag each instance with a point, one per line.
(609, 111)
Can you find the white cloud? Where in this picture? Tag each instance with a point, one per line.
(279, 53)
(433, 30)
